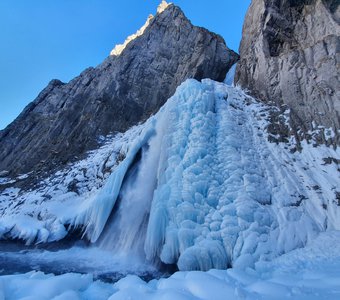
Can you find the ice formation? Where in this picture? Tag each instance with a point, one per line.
(229, 78)
(198, 185)
(100, 209)
(220, 198)
(126, 233)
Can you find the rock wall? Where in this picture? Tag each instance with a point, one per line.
(290, 55)
(66, 120)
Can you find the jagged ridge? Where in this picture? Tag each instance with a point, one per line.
(66, 120)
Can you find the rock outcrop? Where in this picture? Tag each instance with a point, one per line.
(290, 55)
(66, 120)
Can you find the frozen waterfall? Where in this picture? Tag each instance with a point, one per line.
(207, 191)
(198, 185)
(125, 230)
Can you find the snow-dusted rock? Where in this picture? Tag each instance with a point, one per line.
(290, 55)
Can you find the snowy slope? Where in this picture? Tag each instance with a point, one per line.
(218, 192)
(40, 215)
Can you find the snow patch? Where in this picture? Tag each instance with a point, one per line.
(163, 6)
(118, 49)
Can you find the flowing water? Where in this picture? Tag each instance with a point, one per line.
(120, 250)
(16, 258)
(125, 231)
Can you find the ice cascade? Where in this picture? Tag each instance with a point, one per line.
(199, 185)
(208, 192)
(125, 233)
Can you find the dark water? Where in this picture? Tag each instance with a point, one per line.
(103, 265)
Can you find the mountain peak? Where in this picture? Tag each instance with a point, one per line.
(132, 83)
(163, 6)
(119, 48)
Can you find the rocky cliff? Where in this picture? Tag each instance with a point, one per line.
(290, 56)
(67, 119)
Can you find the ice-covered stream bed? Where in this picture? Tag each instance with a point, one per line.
(310, 273)
(102, 264)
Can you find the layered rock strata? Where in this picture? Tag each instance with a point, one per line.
(290, 56)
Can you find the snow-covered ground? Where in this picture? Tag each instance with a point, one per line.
(309, 273)
(39, 215)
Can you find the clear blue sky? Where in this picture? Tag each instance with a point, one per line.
(46, 39)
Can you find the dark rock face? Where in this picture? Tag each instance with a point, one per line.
(65, 120)
(290, 54)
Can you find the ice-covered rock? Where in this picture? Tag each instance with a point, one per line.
(221, 198)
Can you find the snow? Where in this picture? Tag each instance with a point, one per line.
(309, 273)
(218, 192)
(162, 6)
(64, 198)
(36, 285)
(118, 49)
